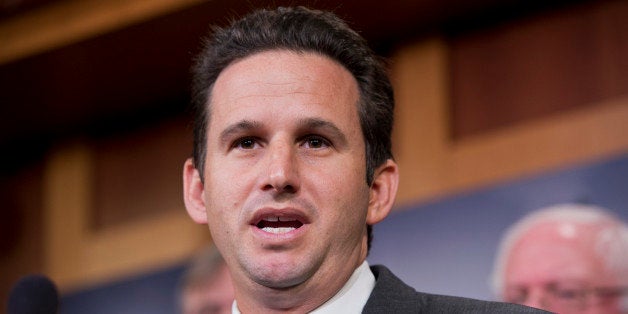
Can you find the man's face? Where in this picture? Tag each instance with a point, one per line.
(554, 267)
(285, 191)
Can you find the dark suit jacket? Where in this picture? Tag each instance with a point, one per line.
(391, 295)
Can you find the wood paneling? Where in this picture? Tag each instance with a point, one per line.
(77, 255)
(108, 215)
(538, 66)
(433, 164)
(21, 235)
(137, 175)
(41, 29)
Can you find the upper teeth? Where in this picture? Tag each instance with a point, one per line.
(277, 218)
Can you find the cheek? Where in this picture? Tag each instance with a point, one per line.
(340, 178)
(225, 180)
(346, 192)
(221, 205)
(222, 228)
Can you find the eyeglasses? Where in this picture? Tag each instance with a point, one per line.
(569, 297)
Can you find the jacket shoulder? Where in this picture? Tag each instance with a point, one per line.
(393, 295)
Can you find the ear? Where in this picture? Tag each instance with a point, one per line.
(383, 191)
(194, 193)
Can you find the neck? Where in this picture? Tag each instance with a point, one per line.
(289, 300)
(301, 298)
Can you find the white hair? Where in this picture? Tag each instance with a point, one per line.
(611, 242)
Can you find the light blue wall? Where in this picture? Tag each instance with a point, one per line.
(448, 246)
(154, 293)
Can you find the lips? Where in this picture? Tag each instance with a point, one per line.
(279, 221)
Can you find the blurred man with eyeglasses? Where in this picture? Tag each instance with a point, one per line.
(566, 258)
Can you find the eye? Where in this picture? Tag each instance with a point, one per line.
(315, 142)
(568, 294)
(246, 143)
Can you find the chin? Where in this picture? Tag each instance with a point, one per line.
(281, 275)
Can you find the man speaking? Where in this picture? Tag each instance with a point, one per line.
(292, 166)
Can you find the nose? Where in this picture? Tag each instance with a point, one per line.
(281, 168)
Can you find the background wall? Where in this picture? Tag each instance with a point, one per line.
(448, 246)
(94, 127)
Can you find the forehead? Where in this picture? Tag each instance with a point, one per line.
(284, 68)
(279, 80)
(554, 252)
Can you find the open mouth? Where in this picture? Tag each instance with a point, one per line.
(278, 225)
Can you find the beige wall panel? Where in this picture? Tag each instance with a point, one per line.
(433, 165)
(548, 143)
(77, 256)
(420, 133)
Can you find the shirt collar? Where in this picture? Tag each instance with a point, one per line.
(351, 298)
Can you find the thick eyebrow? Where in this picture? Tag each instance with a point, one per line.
(312, 124)
(305, 125)
(238, 127)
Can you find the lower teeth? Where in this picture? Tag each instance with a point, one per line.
(278, 230)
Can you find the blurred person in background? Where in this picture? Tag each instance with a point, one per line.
(206, 286)
(565, 258)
